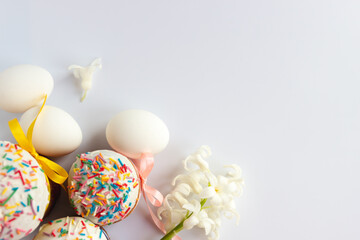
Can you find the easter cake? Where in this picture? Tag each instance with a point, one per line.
(71, 228)
(104, 186)
(24, 192)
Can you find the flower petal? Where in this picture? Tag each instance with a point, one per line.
(180, 199)
(171, 202)
(208, 192)
(231, 188)
(191, 222)
(177, 216)
(197, 158)
(194, 206)
(235, 171)
(192, 180)
(183, 188)
(211, 178)
(161, 211)
(205, 151)
(206, 225)
(216, 200)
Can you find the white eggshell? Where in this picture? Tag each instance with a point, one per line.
(56, 133)
(23, 87)
(133, 132)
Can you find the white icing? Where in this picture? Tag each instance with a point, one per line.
(22, 212)
(71, 228)
(100, 204)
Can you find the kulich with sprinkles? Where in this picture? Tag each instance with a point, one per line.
(24, 192)
(104, 186)
(71, 228)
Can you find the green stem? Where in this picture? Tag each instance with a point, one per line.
(202, 203)
(180, 226)
(175, 230)
(84, 96)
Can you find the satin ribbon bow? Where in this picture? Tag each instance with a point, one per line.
(145, 165)
(152, 195)
(52, 170)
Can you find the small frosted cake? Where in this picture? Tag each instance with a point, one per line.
(103, 186)
(24, 192)
(71, 228)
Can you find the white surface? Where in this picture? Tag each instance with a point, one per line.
(271, 85)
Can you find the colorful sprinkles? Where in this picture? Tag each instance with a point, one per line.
(103, 189)
(71, 228)
(19, 181)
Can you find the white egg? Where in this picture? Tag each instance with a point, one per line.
(133, 132)
(56, 133)
(23, 87)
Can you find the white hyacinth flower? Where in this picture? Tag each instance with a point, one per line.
(171, 211)
(198, 217)
(198, 158)
(200, 198)
(85, 74)
(195, 180)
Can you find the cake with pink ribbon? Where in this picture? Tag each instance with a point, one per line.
(104, 186)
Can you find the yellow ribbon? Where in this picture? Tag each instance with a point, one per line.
(52, 170)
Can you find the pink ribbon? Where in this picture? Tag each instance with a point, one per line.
(145, 164)
(152, 195)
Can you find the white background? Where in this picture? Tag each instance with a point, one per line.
(270, 85)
